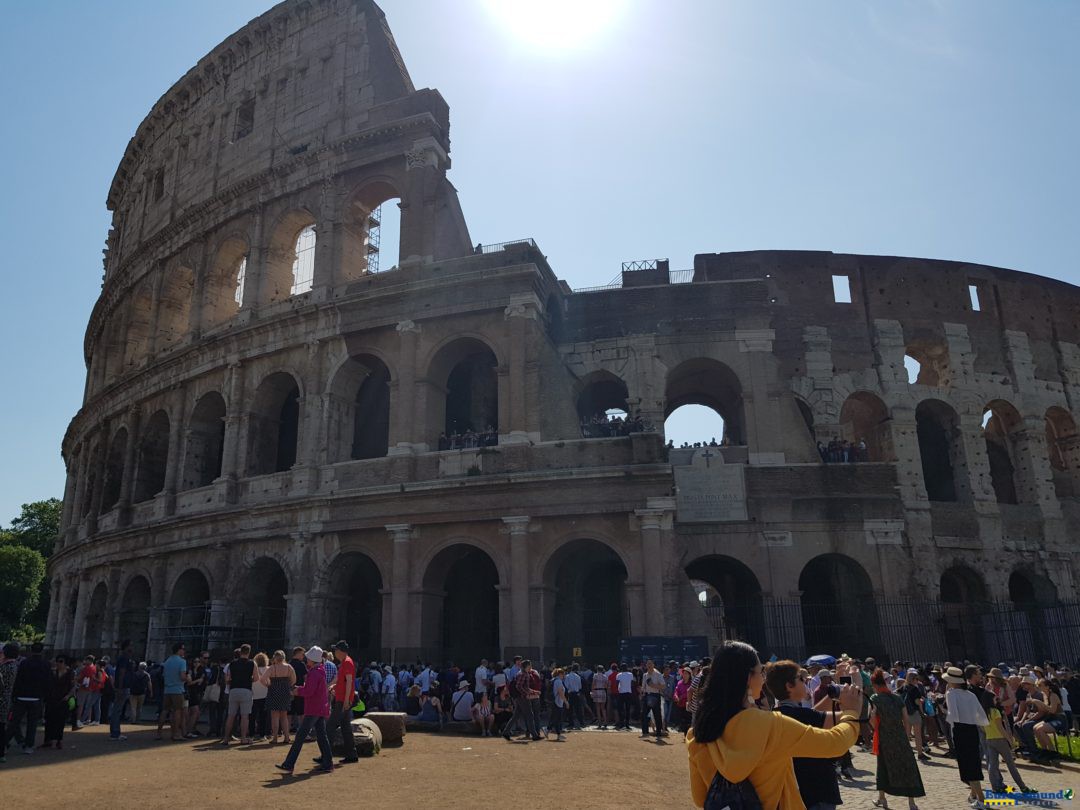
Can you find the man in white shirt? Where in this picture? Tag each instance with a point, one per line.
(424, 679)
(389, 690)
(461, 704)
(652, 685)
(625, 683)
(572, 682)
(482, 679)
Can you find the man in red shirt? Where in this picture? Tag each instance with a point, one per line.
(344, 686)
(86, 683)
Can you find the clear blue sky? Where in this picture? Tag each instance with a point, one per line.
(946, 130)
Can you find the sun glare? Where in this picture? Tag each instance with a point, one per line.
(556, 25)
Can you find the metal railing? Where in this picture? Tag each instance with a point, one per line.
(641, 264)
(495, 247)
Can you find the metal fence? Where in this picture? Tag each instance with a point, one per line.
(495, 247)
(917, 631)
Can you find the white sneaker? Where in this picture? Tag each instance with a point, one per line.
(28, 750)
(560, 738)
(121, 738)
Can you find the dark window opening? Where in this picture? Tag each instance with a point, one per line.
(288, 431)
(371, 429)
(159, 184)
(245, 119)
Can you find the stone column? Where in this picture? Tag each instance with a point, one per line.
(127, 480)
(111, 622)
(520, 316)
(407, 416)
(54, 613)
(424, 166)
(312, 426)
(635, 600)
(971, 467)
(1033, 474)
(65, 620)
(78, 629)
(401, 535)
(517, 528)
(158, 620)
(328, 237)
(231, 455)
(97, 492)
(69, 503)
(255, 271)
(81, 489)
(650, 522)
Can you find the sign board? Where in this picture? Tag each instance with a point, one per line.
(577, 652)
(661, 649)
(709, 491)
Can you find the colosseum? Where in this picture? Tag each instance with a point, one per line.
(284, 440)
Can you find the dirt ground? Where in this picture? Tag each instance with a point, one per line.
(592, 769)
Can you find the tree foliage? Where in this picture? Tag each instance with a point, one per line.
(22, 570)
(37, 526)
(35, 529)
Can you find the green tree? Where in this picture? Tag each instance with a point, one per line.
(37, 526)
(22, 571)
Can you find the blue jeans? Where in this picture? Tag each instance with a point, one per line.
(325, 752)
(116, 711)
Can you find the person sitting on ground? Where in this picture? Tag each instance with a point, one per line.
(483, 715)
(412, 701)
(741, 743)
(431, 710)
(461, 703)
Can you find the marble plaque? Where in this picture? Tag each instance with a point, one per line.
(709, 491)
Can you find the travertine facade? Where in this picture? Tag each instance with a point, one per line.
(263, 458)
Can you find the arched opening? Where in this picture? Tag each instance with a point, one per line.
(371, 231)
(137, 333)
(153, 458)
(1063, 448)
(1031, 594)
(467, 413)
(135, 614)
(187, 614)
(1000, 419)
(838, 607)
(807, 414)
(864, 423)
(602, 407)
(262, 599)
(938, 429)
(359, 621)
(205, 442)
(274, 425)
(461, 606)
(927, 361)
(714, 385)
(963, 596)
(693, 425)
(223, 293)
(590, 608)
(358, 419)
(1029, 590)
(174, 307)
(86, 494)
(114, 470)
(290, 257)
(732, 598)
(93, 638)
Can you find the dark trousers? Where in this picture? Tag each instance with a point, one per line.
(30, 710)
(555, 722)
(259, 723)
(651, 703)
(577, 714)
(626, 700)
(523, 714)
(340, 718)
(326, 754)
(216, 719)
(56, 715)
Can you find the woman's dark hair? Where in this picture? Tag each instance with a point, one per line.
(724, 689)
(878, 678)
(777, 677)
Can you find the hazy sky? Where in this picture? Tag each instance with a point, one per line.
(613, 131)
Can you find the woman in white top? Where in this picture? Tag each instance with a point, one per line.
(965, 716)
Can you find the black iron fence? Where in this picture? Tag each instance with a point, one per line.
(916, 631)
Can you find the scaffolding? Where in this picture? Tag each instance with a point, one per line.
(219, 631)
(374, 238)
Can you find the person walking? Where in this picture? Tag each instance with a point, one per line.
(29, 693)
(316, 708)
(559, 704)
(174, 677)
(122, 673)
(279, 679)
(999, 745)
(652, 687)
(897, 772)
(344, 693)
(9, 666)
(599, 695)
(624, 684)
(142, 689)
(61, 690)
(966, 716)
(733, 743)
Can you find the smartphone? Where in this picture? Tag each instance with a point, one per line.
(845, 679)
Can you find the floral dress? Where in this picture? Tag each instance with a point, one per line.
(897, 772)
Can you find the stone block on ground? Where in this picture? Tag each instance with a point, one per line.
(392, 726)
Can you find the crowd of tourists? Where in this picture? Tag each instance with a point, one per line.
(841, 451)
(796, 751)
(469, 439)
(605, 425)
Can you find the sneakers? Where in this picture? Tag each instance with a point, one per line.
(28, 750)
(281, 766)
(560, 738)
(121, 738)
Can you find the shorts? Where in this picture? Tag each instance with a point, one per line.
(174, 703)
(599, 697)
(239, 702)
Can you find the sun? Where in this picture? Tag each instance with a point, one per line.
(556, 26)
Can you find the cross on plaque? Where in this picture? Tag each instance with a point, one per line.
(707, 455)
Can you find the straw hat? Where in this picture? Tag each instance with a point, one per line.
(953, 675)
(995, 673)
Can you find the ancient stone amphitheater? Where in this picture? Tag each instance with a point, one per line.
(266, 448)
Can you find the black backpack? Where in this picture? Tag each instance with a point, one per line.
(723, 795)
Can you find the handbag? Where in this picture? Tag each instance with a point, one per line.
(212, 693)
(725, 795)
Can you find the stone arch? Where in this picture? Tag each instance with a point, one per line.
(135, 613)
(137, 334)
(153, 461)
(1029, 589)
(600, 392)
(807, 414)
(262, 587)
(460, 604)
(838, 607)
(708, 382)
(358, 223)
(359, 409)
(94, 629)
(463, 375)
(205, 444)
(354, 611)
(999, 421)
(931, 355)
(941, 449)
(187, 613)
(274, 425)
(1063, 449)
(589, 610)
(114, 470)
(963, 595)
(225, 283)
(174, 306)
(190, 588)
(733, 598)
(864, 417)
(282, 262)
(86, 492)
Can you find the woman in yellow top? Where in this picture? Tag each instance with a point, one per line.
(733, 737)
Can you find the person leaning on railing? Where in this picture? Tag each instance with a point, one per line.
(730, 736)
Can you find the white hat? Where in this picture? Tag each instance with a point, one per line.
(314, 653)
(953, 675)
(463, 685)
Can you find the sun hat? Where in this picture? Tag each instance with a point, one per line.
(995, 673)
(315, 653)
(463, 685)
(954, 675)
